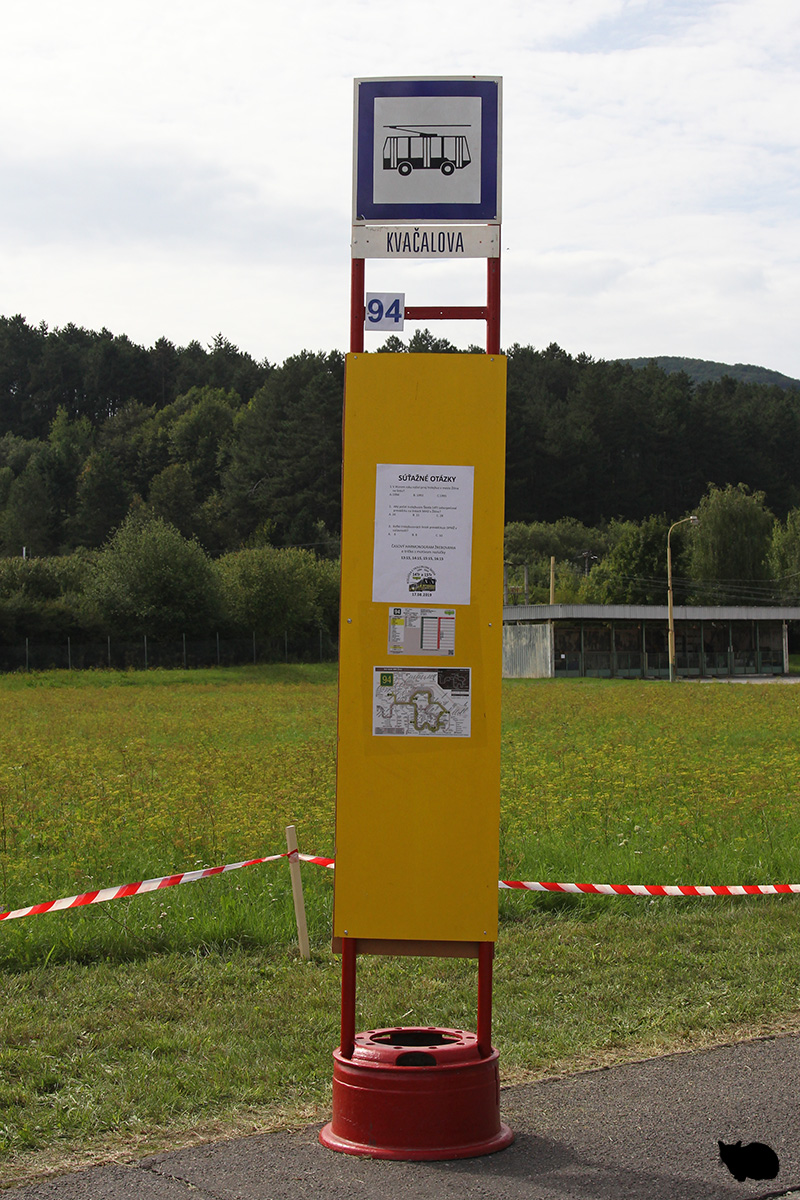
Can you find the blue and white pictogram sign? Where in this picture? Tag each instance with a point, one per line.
(427, 150)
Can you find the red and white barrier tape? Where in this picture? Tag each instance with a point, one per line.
(586, 889)
(152, 885)
(655, 889)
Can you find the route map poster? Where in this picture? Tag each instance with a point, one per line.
(415, 702)
(423, 533)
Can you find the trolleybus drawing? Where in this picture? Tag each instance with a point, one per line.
(416, 150)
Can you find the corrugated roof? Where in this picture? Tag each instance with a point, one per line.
(653, 612)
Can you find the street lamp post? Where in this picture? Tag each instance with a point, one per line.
(693, 521)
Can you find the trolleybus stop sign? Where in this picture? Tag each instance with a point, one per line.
(427, 150)
(420, 650)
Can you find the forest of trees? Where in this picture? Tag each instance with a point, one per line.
(703, 370)
(100, 437)
(738, 553)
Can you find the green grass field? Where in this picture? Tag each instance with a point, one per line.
(186, 1014)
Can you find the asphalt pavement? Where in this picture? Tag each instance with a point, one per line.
(642, 1131)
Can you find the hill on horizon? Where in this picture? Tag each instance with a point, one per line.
(701, 370)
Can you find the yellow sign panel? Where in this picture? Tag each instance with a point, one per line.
(418, 771)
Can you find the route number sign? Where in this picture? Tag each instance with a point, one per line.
(385, 310)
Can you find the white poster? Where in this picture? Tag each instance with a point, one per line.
(423, 534)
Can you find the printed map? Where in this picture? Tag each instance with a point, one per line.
(414, 702)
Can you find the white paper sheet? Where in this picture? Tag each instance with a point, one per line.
(423, 534)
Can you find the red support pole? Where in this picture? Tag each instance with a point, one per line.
(485, 956)
(447, 312)
(348, 1034)
(493, 304)
(357, 311)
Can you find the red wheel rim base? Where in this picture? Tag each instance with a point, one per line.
(416, 1094)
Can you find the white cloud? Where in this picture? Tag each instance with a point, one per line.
(158, 203)
(185, 168)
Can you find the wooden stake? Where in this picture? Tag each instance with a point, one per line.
(297, 893)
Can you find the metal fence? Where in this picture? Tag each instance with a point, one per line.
(634, 664)
(185, 652)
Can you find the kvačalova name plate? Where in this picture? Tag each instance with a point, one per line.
(426, 242)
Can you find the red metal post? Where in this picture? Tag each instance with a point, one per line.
(357, 317)
(485, 956)
(348, 1035)
(446, 312)
(493, 304)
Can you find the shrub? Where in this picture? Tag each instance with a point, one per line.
(150, 579)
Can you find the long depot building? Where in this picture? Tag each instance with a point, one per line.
(542, 641)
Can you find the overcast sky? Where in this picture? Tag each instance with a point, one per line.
(181, 168)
